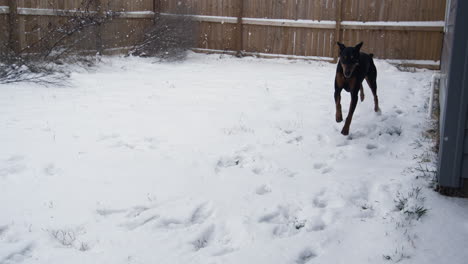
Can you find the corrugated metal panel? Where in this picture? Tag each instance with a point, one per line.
(448, 38)
(442, 100)
(466, 141)
(445, 59)
(465, 167)
(467, 120)
(452, 159)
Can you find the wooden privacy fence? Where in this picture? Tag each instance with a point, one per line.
(409, 30)
(26, 21)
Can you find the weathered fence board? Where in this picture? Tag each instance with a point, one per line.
(353, 10)
(49, 4)
(217, 36)
(4, 29)
(394, 10)
(201, 7)
(291, 41)
(303, 27)
(35, 18)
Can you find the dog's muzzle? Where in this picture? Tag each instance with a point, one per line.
(348, 70)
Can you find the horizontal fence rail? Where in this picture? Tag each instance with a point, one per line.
(437, 26)
(398, 30)
(65, 13)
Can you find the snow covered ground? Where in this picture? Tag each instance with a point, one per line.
(220, 160)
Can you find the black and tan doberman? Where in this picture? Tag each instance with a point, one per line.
(353, 67)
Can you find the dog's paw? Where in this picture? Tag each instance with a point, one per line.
(339, 118)
(345, 132)
(378, 111)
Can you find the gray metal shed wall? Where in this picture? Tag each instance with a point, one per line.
(464, 173)
(465, 156)
(453, 154)
(446, 56)
(448, 36)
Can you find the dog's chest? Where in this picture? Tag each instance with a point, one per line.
(350, 84)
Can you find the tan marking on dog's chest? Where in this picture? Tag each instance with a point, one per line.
(352, 83)
(340, 80)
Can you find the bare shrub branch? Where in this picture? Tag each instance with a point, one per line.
(40, 62)
(168, 38)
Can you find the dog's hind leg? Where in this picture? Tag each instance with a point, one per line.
(362, 93)
(373, 85)
(371, 79)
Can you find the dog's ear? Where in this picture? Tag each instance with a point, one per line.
(358, 46)
(342, 46)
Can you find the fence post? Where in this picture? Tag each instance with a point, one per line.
(98, 29)
(157, 9)
(14, 33)
(337, 35)
(240, 28)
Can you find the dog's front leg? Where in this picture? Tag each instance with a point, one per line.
(362, 93)
(339, 84)
(338, 115)
(352, 107)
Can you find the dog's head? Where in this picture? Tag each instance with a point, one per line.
(349, 58)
